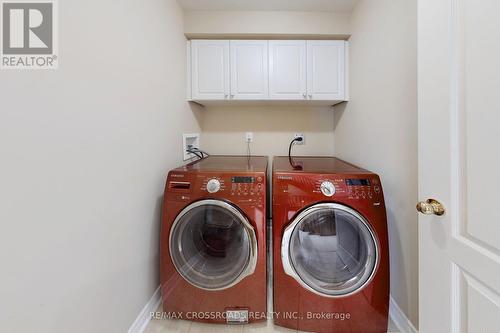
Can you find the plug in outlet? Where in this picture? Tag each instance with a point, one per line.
(300, 135)
(249, 137)
(190, 141)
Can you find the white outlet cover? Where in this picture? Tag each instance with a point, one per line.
(249, 137)
(190, 140)
(300, 135)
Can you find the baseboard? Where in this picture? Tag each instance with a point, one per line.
(144, 317)
(399, 318)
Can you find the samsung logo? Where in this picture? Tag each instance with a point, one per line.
(177, 175)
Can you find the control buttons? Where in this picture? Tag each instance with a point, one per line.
(213, 185)
(327, 188)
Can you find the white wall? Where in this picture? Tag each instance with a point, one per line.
(200, 23)
(273, 127)
(84, 152)
(377, 129)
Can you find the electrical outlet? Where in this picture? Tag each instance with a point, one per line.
(190, 141)
(300, 135)
(249, 137)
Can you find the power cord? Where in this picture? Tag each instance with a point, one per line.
(299, 139)
(197, 152)
(203, 153)
(194, 152)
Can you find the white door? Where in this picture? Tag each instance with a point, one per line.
(249, 69)
(210, 69)
(326, 69)
(459, 164)
(287, 69)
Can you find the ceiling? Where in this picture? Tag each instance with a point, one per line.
(285, 5)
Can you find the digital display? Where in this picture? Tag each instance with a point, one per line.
(357, 182)
(243, 179)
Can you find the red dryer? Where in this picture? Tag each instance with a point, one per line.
(213, 240)
(331, 255)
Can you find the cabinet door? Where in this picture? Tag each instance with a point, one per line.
(210, 69)
(249, 70)
(326, 70)
(287, 69)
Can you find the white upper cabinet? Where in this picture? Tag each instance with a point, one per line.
(287, 70)
(274, 70)
(326, 63)
(249, 71)
(210, 69)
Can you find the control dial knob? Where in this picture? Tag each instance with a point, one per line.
(213, 185)
(327, 188)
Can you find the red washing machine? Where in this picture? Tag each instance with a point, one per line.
(213, 240)
(331, 253)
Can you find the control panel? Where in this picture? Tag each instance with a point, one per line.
(237, 185)
(241, 189)
(247, 189)
(331, 187)
(245, 186)
(213, 185)
(359, 188)
(353, 188)
(327, 188)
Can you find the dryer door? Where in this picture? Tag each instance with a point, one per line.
(212, 245)
(330, 250)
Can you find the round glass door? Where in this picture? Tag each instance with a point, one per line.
(330, 249)
(212, 245)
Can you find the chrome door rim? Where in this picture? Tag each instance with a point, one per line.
(290, 269)
(252, 260)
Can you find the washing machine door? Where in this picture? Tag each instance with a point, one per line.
(213, 245)
(330, 249)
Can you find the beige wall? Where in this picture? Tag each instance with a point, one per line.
(265, 22)
(377, 129)
(224, 127)
(84, 152)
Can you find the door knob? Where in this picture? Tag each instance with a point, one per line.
(430, 207)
